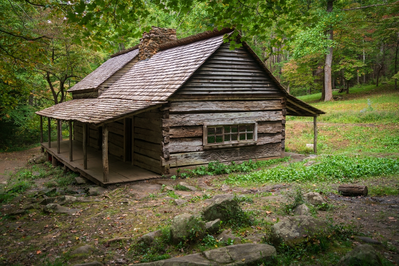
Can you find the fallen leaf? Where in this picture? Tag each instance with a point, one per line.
(38, 252)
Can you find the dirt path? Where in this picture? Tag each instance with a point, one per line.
(11, 160)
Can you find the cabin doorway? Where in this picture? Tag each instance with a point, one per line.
(129, 139)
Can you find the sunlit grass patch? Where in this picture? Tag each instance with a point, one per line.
(327, 168)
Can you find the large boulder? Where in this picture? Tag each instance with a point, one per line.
(314, 198)
(222, 207)
(186, 227)
(227, 236)
(56, 208)
(362, 255)
(295, 229)
(83, 250)
(38, 159)
(213, 226)
(149, 238)
(302, 210)
(244, 254)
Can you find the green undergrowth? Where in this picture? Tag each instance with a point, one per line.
(218, 168)
(327, 168)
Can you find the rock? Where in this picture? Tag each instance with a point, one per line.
(83, 250)
(227, 236)
(59, 200)
(225, 188)
(168, 188)
(51, 183)
(244, 254)
(255, 238)
(185, 226)
(149, 238)
(180, 202)
(189, 260)
(35, 174)
(50, 191)
(56, 208)
(93, 263)
(364, 255)
(41, 158)
(80, 181)
(293, 230)
(212, 226)
(222, 207)
(302, 210)
(96, 191)
(186, 186)
(314, 198)
(368, 240)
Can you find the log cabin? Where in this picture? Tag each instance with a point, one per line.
(169, 104)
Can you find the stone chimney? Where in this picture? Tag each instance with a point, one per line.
(149, 44)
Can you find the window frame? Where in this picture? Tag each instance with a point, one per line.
(230, 143)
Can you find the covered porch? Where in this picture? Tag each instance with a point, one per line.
(119, 171)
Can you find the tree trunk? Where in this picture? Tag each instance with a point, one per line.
(378, 73)
(364, 62)
(328, 63)
(396, 62)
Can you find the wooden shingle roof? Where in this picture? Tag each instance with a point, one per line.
(105, 71)
(159, 77)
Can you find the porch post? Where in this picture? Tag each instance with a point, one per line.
(315, 134)
(41, 133)
(105, 154)
(58, 136)
(84, 146)
(49, 131)
(70, 141)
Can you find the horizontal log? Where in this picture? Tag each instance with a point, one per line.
(221, 118)
(94, 133)
(200, 80)
(185, 132)
(116, 139)
(225, 106)
(116, 128)
(227, 92)
(152, 150)
(270, 127)
(185, 145)
(225, 155)
(231, 73)
(148, 135)
(269, 138)
(353, 190)
(94, 143)
(84, 95)
(146, 122)
(115, 150)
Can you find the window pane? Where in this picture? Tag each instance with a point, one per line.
(242, 128)
(250, 127)
(250, 136)
(226, 129)
(219, 139)
(242, 136)
(219, 130)
(234, 129)
(233, 136)
(226, 137)
(211, 130)
(211, 139)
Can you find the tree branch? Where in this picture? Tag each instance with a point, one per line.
(33, 4)
(25, 38)
(363, 7)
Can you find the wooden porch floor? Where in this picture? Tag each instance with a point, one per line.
(119, 172)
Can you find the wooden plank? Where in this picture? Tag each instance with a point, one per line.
(269, 138)
(148, 135)
(49, 131)
(133, 139)
(145, 122)
(59, 130)
(115, 150)
(93, 133)
(115, 128)
(41, 129)
(227, 92)
(124, 139)
(185, 145)
(84, 138)
(116, 139)
(105, 154)
(226, 118)
(270, 127)
(70, 141)
(217, 97)
(185, 132)
(225, 106)
(225, 155)
(94, 143)
(149, 149)
(148, 163)
(214, 81)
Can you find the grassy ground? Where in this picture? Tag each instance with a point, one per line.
(358, 143)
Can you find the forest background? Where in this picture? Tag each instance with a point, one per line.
(310, 45)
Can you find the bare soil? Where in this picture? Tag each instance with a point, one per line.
(113, 221)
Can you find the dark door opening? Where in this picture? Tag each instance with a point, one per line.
(128, 138)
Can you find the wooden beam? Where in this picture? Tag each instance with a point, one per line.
(84, 146)
(301, 107)
(70, 141)
(315, 134)
(105, 154)
(41, 129)
(59, 136)
(133, 140)
(49, 131)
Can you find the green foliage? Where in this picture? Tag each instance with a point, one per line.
(330, 168)
(172, 194)
(158, 250)
(182, 188)
(379, 190)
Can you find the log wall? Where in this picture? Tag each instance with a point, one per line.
(147, 140)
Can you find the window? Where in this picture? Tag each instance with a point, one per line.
(223, 135)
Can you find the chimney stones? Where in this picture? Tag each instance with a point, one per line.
(149, 44)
